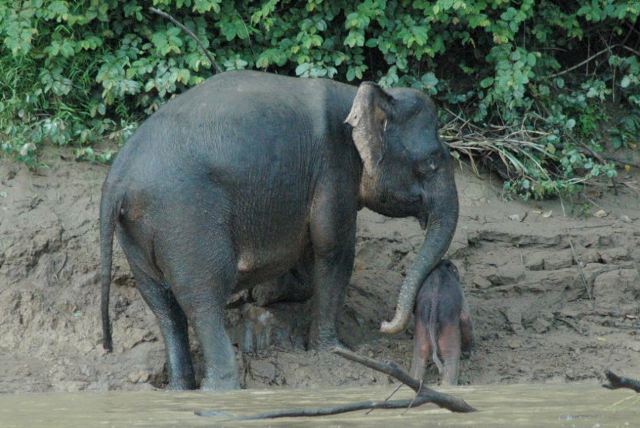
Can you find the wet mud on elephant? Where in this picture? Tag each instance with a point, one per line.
(248, 175)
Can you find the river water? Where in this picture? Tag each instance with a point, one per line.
(580, 405)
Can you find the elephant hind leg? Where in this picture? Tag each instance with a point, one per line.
(449, 344)
(173, 326)
(202, 272)
(466, 331)
(421, 350)
(163, 304)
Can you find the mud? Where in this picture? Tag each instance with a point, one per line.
(555, 297)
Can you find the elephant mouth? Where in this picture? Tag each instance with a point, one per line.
(423, 215)
(423, 219)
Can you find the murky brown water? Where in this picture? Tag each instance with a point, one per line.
(499, 405)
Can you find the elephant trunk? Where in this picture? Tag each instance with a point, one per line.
(441, 226)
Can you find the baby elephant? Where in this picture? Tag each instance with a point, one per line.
(443, 325)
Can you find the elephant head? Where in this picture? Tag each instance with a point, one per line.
(407, 171)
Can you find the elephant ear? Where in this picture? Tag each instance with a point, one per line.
(369, 114)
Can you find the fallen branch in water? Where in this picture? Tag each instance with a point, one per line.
(326, 411)
(617, 382)
(392, 369)
(423, 395)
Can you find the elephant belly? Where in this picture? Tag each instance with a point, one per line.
(270, 233)
(256, 266)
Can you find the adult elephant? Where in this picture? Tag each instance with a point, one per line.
(249, 174)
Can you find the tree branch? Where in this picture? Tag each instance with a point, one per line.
(440, 399)
(592, 57)
(190, 33)
(617, 382)
(423, 395)
(326, 411)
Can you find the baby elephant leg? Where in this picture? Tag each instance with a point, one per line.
(421, 350)
(449, 344)
(466, 331)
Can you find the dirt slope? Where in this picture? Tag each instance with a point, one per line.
(537, 317)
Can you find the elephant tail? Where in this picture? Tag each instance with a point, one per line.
(433, 326)
(109, 213)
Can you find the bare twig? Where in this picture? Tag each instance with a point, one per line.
(631, 186)
(190, 33)
(511, 151)
(580, 64)
(592, 153)
(414, 398)
(593, 226)
(388, 397)
(571, 324)
(633, 51)
(632, 29)
(622, 162)
(591, 58)
(62, 265)
(579, 264)
(617, 382)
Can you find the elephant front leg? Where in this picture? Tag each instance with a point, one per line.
(331, 276)
(333, 240)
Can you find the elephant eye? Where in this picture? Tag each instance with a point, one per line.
(429, 163)
(423, 168)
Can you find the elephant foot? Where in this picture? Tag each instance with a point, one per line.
(181, 385)
(217, 384)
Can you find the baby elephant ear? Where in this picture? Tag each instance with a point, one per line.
(371, 109)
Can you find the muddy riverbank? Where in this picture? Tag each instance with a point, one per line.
(538, 317)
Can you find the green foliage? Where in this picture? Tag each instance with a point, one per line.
(77, 72)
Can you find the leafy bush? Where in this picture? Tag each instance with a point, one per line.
(524, 85)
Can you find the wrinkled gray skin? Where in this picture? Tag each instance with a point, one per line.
(443, 324)
(248, 175)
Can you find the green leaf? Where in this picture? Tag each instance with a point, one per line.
(351, 74)
(625, 82)
(58, 10)
(202, 6)
(486, 82)
(571, 123)
(67, 49)
(303, 69)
